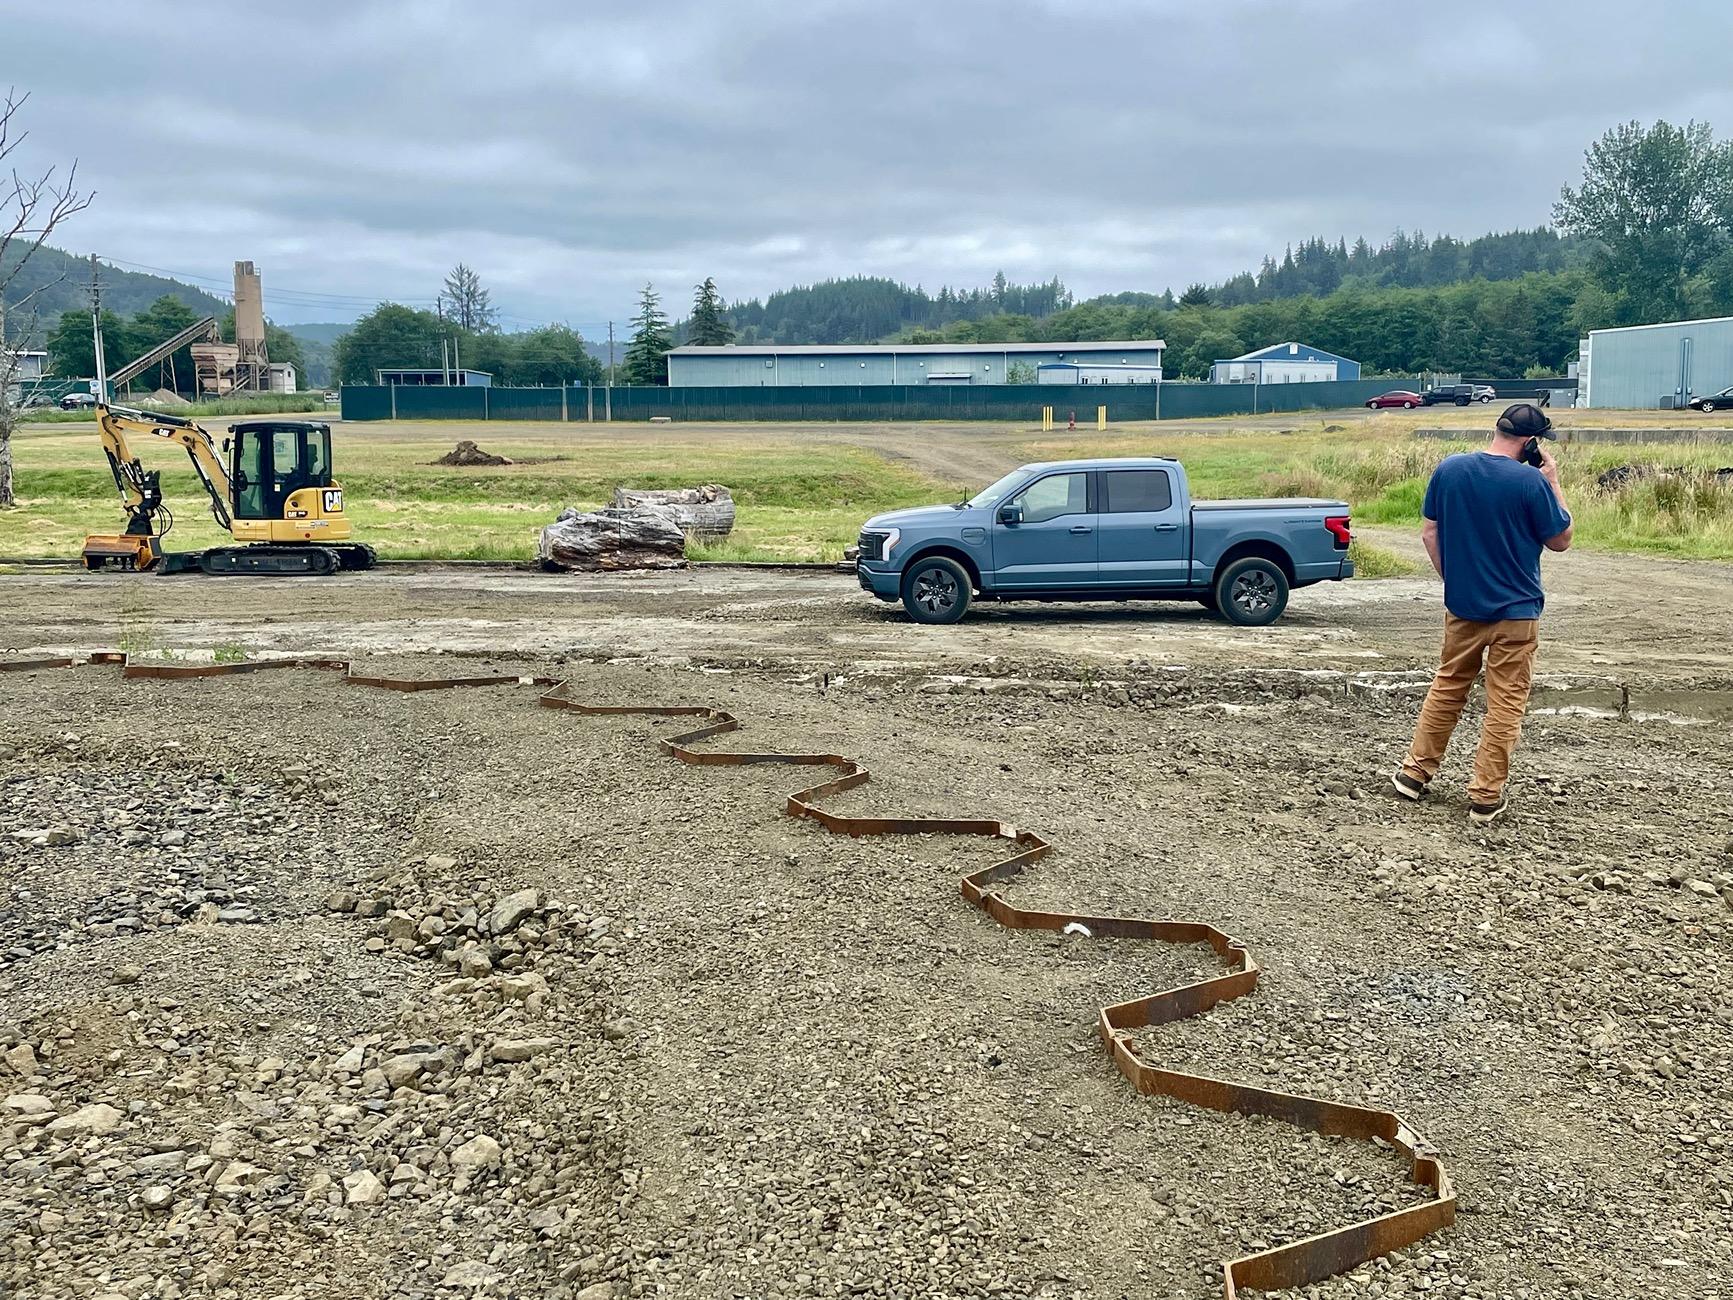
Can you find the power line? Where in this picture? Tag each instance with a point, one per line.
(318, 295)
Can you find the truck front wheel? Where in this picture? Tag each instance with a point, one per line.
(936, 590)
(1252, 592)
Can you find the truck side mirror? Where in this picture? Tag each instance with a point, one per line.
(1011, 513)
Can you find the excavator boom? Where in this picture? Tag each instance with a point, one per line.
(148, 518)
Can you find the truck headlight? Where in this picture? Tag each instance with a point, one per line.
(892, 536)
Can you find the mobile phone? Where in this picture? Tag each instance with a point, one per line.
(1531, 453)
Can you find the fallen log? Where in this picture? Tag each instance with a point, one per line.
(705, 511)
(605, 541)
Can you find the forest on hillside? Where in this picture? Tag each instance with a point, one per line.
(60, 282)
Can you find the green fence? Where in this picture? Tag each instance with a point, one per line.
(884, 403)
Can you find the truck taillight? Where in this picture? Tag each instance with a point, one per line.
(1340, 530)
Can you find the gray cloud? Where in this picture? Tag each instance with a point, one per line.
(357, 150)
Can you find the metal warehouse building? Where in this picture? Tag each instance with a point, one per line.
(773, 366)
(1284, 363)
(1649, 366)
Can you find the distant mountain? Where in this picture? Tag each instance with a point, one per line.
(322, 332)
(64, 284)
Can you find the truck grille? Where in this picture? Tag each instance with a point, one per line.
(872, 546)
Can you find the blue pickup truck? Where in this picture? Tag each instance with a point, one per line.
(1103, 530)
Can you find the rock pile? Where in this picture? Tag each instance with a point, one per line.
(477, 1123)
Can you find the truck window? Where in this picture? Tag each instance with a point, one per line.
(1055, 495)
(1132, 490)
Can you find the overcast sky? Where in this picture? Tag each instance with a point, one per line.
(357, 150)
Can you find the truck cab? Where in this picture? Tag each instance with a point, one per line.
(1105, 529)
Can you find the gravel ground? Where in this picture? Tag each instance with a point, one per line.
(315, 991)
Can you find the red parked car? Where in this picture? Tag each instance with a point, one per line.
(1397, 397)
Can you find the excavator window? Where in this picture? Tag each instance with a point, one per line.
(250, 468)
(270, 464)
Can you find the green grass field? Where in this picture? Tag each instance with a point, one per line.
(1381, 469)
(802, 493)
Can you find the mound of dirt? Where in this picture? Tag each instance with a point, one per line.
(164, 398)
(467, 453)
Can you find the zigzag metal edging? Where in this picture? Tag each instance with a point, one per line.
(1296, 1264)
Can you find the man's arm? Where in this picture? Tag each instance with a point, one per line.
(1549, 471)
(1429, 539)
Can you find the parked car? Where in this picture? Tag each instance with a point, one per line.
(1396, 397)
(1721, 401)
(1461, 394)
(77, 402)
(1103, 530)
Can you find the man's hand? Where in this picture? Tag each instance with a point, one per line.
(1549, 471)
(1429, 539)
(1548, 464)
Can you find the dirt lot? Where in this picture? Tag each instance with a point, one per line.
(722, 1053)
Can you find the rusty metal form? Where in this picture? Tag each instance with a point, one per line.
(1298, 1263)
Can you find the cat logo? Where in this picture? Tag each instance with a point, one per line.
(333, 500)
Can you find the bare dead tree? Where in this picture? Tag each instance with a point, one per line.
(30, 209)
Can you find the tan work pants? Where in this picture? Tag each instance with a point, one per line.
(1507, 650)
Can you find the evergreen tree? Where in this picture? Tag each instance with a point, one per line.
(647, 353)
(708, 326)
(467, 304)
(1195, 295)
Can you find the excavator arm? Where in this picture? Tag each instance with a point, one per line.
(141, 488)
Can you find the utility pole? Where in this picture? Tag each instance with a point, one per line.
(96, 331)
(610, 354)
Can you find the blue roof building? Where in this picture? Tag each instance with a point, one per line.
(1284, 363)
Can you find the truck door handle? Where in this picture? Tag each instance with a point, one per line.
(1081, 528)
(1167, 528)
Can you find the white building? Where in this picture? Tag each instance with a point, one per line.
(26, 364)
(1642, 367)
(1083, 372)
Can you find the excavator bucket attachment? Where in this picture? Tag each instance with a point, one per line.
(121, 551)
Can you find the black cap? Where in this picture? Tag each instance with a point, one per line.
(1525, 420)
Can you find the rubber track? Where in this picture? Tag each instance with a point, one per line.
(1296, 1264)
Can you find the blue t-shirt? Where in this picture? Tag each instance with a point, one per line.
(1493, 515)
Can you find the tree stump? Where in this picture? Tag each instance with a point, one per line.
(706, 511)
(606, 541)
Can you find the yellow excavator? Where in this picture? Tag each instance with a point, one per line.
(275, 497)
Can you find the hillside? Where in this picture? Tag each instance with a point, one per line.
(324, 333)
(868, 309)
(64, 281)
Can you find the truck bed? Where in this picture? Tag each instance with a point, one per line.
(1273, 503)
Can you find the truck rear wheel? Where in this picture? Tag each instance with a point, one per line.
(1252, 592)
(936, 590)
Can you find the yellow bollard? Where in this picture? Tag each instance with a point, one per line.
(1046, 419)
(1101, 418)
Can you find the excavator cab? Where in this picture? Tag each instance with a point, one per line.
(272, 460)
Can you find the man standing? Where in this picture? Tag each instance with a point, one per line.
(1488, 514)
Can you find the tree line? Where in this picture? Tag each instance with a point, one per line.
(1646, 236)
